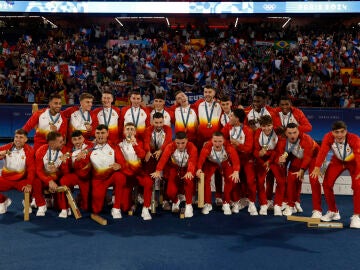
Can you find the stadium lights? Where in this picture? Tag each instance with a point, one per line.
(50, 22)
(45, 20)
(116, 19)
(167, 21)
(236, 21)
(288, 20)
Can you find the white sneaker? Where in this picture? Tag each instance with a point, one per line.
(181, 198)
(298, 207)
(355, 222)
(329, 216)
(316, 214)
(4, 206)
(206, 209)
(166, 206)
(145, 214)
(189, 211)
(69, 212)
(41, 211)
(270, 205)
(140, 198)
(235, 207)
(263, 210)
(218, 201)
(226, 209)
(243, 203)
(175, 207)
(289, 211)
(283, 206)
(116, 213)
(33, 203)
(63, 213)
(277, 210)
(252, 209)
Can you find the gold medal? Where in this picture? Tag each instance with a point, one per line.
(209, 125)
(51, 123)
(285, 155)
(51, 163)
(8, 152)
(265, 147)
(86, 123)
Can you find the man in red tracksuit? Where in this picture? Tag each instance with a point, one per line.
(217, 154)
(19, 167)
(107, 164)
(209, 112)
(80, 169)
(156, 138)
(133, 151)
(286, 113)
(241, 138)
(109, 116)
(258, 109)
(46, 120)
(51, 165)
(185, 117)
(346, 156)
(302, 151)
(135, 114)
(80, 117)
(180, 156)
(265, 146)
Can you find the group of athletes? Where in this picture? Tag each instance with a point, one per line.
(241, 151)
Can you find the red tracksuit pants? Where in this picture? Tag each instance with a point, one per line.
(247, 170)
(6, 185)
(225, 170)
(70, 180)
(293, 188)
(177, 183)
(279, 173)
(142, 180)
(333, 171)
(100, 186)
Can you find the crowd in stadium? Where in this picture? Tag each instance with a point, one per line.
(317, 66)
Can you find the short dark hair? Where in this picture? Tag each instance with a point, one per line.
(180, 135)
(218, 133)
(209, 86)
(134, 92)
(21, 131)
(291, 125)
(101, 127)
(265, 120)
(54, 96)
(86, 95)
(76, 133)
(158, 115)
(129, 124)
(225, 98)
(240, 114)
(260, 94)
(52, 136)
(285, 98)
(159, 96)
(108, 92)
(338, 125)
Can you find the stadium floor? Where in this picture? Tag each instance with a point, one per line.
(214, 241)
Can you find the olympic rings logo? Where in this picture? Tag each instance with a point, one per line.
(269, 7)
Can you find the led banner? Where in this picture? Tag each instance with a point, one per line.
(162, 7)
